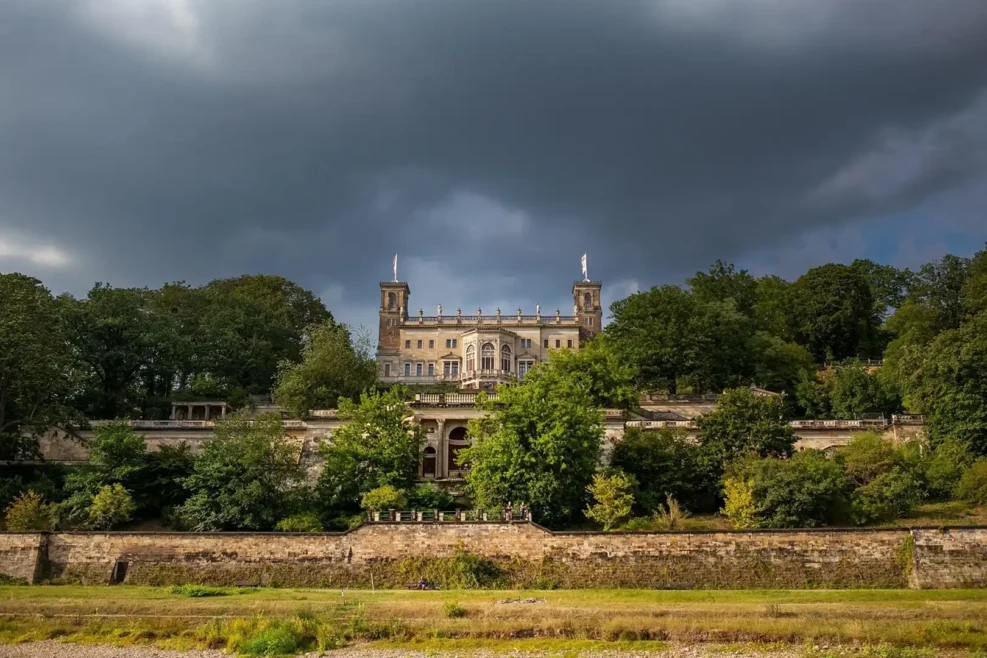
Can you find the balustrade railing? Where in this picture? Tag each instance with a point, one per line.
(503, 515)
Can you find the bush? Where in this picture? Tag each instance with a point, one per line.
(945, 466)
(386, 497)
(662, 463)
(670, 515)
(805, 491)
(613, 497)
(889, 496)
(867, 456)
(308, 522)
(29, 512)
(429, 496)
(197, 591)
(453, 609)
(738, 502)
(111, 506)
(973, 483)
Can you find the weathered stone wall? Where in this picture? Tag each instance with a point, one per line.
(21, 555)
(391, 555)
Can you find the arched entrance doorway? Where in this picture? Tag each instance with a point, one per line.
(458, 440)
(428, 463)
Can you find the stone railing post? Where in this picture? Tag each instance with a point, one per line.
(483, 515)
(435, 516)
(459, 515)
(390, 513)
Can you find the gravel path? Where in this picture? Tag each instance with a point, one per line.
(53, 649)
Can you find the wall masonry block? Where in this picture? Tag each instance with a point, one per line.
(524, 554)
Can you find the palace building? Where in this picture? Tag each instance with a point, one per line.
(476, 351)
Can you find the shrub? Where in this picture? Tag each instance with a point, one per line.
(386, 497)
(453, 609)
(613, 497)
(738, 503)
(29, 512)
(197, 591)
(867, 456)
(807, 490)
(638, 524)
(279, 639)
(945, 466)
(670, 515)
(111, 506)
(889, 496)
(973, 483)
(429, 496)
(307, 522)
(662, 463)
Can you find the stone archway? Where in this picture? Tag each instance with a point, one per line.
(458, 440)
(429, 462)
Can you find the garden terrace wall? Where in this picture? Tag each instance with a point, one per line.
(516, 554)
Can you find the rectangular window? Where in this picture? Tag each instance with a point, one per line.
(447, 367)
(569, 344)
(407, 370)
(387, 369)
(431, 344)
(589, 322)
(546, 343)
(455, 367)
(431, 370)
(419, 344)
(407, 344)
(455, 342)
(524, 367)
(558, 343)
(418, 370)
(448, 342)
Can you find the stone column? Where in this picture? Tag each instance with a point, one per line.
(441, 469)
(208, 409)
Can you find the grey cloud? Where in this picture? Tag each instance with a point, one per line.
(182, 139)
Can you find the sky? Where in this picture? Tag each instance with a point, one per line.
(489, 143)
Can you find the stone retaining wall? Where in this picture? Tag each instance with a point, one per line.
(517, 554)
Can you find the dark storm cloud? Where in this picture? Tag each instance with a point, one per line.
(490, 140)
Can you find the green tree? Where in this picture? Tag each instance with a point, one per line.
(779, 366)
(672, 338)
(938, 286)
(973, 484)
(891, 495)
(35, 376)
(607, 376)
(974, 291)
(723, 282)
(163, 482)
(807, 490)
(379, 445)
(110, 336)
(331, 368)
(111, 506)
(856, 391)
(947, 384)
(739, 504)
(613, 499)
(662, 463)
(742, 424)
(772, 310)
(429, 496)
(540, 445)
(889, 285)
(116, 455)
(385, 497)
(832, 312)
(945, 467)
(253, 324)
(869, 455)
(29, 512)
(247, 478)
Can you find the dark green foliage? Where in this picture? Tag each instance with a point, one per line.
(890, 495)
(305, 522)
(945, 466)
(331, 368)
(247, 478)
(540, 445)
(807, 490)
(378, 446)
(832, 312)
(938, 287)
(430, 497)
(661, 463)
(743, 424)
(973, 484)
(35, 377)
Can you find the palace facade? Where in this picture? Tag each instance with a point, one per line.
(476, 351)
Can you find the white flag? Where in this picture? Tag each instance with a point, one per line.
(585, 274)
(395, 268)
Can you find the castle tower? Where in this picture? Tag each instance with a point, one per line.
(393, 309)
(589, 309)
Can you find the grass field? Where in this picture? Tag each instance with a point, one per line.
(269, 621)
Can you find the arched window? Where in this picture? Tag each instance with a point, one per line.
(470, 358)
(587, 301)
(487, 354)
(505, 358)
(458, 440)
(392, 300)
(428, 462)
